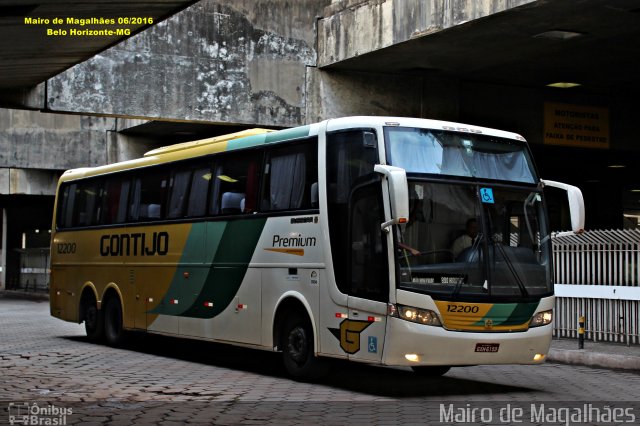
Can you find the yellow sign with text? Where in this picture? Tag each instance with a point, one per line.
(576, 125)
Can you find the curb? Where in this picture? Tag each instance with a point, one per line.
(594, 359)
(24, 295)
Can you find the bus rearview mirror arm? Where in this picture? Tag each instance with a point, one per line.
(398, 194)
(576, 203)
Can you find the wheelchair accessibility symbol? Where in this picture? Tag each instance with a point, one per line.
(373, 344)
(486, 195)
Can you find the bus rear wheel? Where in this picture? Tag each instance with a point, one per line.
(298, 351)
(94, 323)
(113, 330)
(431, 370)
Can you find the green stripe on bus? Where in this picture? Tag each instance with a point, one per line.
(509, 313)
(284, 135)
(279, 136)
(248, 142)
(498, 313)
(196, 261)
(230, 264)
(521, 314)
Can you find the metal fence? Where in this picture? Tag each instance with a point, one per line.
(596, 275)
(34, 270)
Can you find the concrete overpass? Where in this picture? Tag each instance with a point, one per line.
(222, 65)
(36, 147)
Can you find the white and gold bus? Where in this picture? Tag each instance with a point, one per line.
(334, 239)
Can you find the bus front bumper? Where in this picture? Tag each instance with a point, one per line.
(412, 344)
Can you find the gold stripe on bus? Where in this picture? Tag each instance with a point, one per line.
(466, 316)
(294, 251)
(460, 314)
(105, 257)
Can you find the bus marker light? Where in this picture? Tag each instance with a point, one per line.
(402, 220)
(58, 293)
(539, 357)
(341, 315)
(412, 357)
(150, 299)
(241, 306)
(208, 304)
(373, 319)
(173, 301)
(185, 275)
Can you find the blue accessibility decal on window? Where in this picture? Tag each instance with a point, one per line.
(373, 344)
(486, 195)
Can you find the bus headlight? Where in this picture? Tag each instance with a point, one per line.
(421, 316)
(541, 318)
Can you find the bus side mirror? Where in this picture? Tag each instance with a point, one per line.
(398, 193)
(576, 203)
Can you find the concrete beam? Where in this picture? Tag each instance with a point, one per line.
(34, 140)
(28, 182)
(351, 28)
(129, 123)
(333, 94)
(26, 98)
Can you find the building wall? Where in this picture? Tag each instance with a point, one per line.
(226, 61)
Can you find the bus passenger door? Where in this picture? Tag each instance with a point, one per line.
(368, 271)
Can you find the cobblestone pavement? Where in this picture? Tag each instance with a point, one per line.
(48, 363)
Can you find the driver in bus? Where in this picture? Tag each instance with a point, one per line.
(467, 239)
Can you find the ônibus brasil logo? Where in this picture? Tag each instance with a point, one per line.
(32, 413)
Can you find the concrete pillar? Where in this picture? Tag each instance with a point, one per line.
(121, 147)
(3, 252)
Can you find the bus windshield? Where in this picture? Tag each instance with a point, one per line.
(460, 245)
(458, 154)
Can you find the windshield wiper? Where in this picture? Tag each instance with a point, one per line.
(515, 274)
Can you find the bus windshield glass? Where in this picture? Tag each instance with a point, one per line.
(458, 154)
(458, 245)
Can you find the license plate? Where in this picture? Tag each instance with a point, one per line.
(487, 347)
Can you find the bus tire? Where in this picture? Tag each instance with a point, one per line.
(113, 329)
(431, 370)
(298, 351)
(94, 323)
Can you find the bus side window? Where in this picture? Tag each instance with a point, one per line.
(121, 216)
(289, 174)
(198, 192)
(149, 198)
(348, 159)
(113, 200)
(134, 201)
(86, 203)
(65, 206)
(369, 273)
(235, 184)
(179, 193)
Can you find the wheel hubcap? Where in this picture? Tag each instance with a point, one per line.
(298, 345)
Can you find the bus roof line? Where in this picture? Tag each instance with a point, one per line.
(208, 141)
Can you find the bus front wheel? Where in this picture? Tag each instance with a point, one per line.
(113, 330)
(298, 352)
(431, 370)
